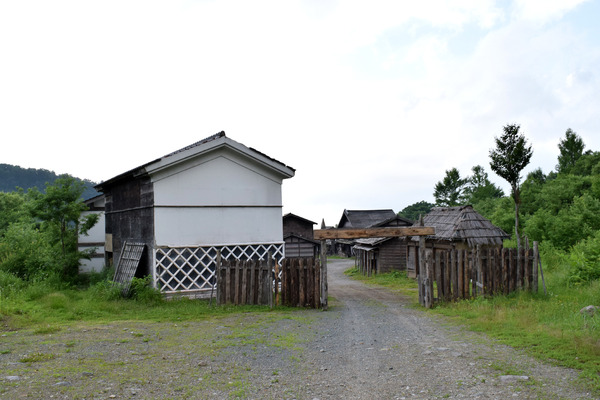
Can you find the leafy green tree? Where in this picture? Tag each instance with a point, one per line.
(449, 191)
(571, 149)
(531, 190)
(413, 211)
(510, 156)
(59, 210)
(503, 214)
(12, 209)
(587, 164)
(479, 188)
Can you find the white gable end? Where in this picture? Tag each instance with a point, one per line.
(218, 181)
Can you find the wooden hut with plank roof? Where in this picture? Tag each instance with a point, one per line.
(458, 227)
(383, 254)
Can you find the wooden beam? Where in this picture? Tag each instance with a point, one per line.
(321, 234)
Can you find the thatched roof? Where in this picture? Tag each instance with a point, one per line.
(463, 224)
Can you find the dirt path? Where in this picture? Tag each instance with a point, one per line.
(369, 345)
(375, 346)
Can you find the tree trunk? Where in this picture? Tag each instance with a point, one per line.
(517, 199)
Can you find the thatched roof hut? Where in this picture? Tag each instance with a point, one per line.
(463, 224)
(455, 228)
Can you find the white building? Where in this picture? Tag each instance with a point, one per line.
(94, 240)
(216, 194)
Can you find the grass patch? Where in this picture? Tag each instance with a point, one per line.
(396, 280)
(37, 357)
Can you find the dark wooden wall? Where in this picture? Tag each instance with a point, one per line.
(297, 247)
(392, 255)
(130, 217)
(297, 227)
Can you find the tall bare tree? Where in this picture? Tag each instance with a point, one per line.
(510, 156)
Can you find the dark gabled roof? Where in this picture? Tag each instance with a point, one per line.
(289, 235)
(290, 215)
(463, 224)
(364, 218)
(396, 220)
(193, 149)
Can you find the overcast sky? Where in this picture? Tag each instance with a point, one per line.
(370, 101)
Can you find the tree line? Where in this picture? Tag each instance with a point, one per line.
(560, 209)
(13, 177)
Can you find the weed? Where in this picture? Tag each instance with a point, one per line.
(37, 357)
(46, 330)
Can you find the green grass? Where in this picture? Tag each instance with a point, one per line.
(46, 310)
(548, 327)
(396, 280)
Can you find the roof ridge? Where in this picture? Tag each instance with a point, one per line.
(198, 143)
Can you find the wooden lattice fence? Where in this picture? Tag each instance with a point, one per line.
(447, 275)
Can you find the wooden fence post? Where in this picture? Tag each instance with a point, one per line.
(428, 281)
(534, 278)
(323, 275)
(421, 277)
(439, 279)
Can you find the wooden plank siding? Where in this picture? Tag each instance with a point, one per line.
(392, 255)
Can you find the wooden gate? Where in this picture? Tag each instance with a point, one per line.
(300, 282)
(296, 283)
(244, 282)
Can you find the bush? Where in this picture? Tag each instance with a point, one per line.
(24, 252)
(142, 290)
(10, 284)
(105, 290)
(585, 261)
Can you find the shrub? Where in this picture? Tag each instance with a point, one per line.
(10, 284)
(142, 290)
(24, 251)
(585, 260)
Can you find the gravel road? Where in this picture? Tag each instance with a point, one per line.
(369, 345)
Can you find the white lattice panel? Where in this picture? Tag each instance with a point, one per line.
(184, 269)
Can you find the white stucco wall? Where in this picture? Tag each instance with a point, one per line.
(221, 198)
(222, 180)
(217, 226)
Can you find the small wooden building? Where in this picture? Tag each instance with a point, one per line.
(298, 237)
(359, 219)
(384, 254)
(94, 240)
(213, 195)
(458, 227)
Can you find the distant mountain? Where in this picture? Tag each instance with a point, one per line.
(13, 177)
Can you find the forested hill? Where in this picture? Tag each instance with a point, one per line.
(13, 177)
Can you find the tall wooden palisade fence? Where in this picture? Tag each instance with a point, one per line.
(464, 274)
(260, 282)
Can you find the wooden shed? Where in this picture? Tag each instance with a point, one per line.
(458, 227)
(298, 237)
(213, 195)
(383, 254)
(359, 219)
